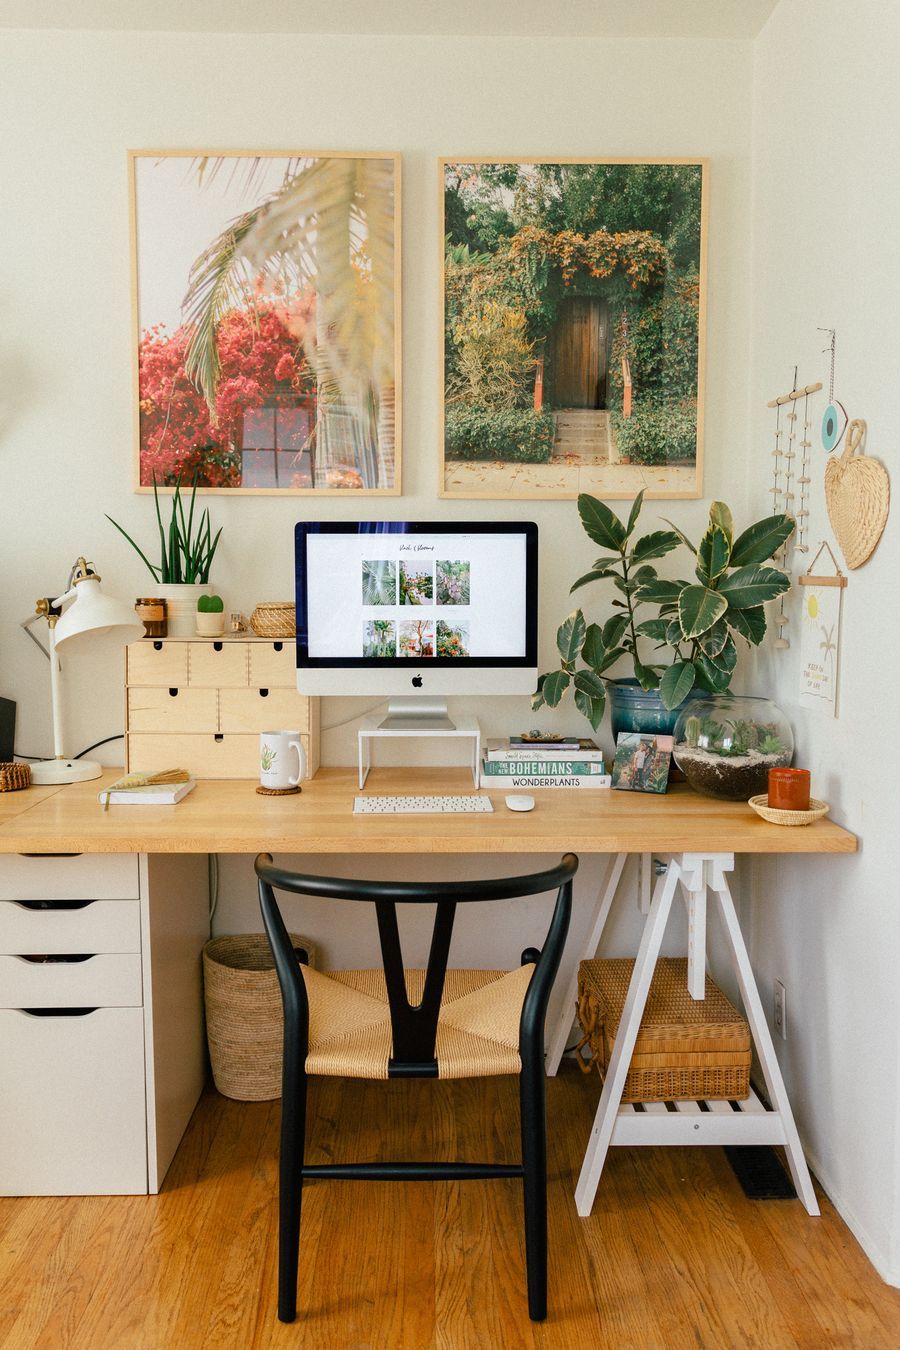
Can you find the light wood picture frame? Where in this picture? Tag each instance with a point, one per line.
(266, 320)
(573, 326)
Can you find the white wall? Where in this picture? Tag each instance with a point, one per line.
(826, 107)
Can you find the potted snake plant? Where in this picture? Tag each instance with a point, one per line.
(679, 636)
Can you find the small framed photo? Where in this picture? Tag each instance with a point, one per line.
(642, 762)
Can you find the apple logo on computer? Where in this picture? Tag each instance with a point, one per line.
(417, 681)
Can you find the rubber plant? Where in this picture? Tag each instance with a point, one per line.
(187, 548)
(691, 634)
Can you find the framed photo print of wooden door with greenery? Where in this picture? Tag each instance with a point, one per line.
(267, 320)
(573, 327)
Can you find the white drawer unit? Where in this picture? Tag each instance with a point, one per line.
(101, 1017)
(201, 704)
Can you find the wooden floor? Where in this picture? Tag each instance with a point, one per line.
(674, 1254)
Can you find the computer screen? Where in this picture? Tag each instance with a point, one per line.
(402, 607)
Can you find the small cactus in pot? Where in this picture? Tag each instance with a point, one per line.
(210, 616)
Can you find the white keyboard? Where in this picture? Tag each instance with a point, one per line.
(420, 806)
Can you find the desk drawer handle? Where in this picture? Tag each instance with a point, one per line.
(57, 958)
(264, 693)
(50, 855)
(173, 693)
(46, 906)
(157, 646)
(57, 1012)
(217, 646)
(278, 646)
(218, 737)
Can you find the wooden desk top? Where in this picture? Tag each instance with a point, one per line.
(230, 817)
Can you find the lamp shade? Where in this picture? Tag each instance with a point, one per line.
(93, 612)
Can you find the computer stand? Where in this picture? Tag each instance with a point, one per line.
(421, 719)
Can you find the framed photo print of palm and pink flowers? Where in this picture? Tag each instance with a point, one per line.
(267, 320)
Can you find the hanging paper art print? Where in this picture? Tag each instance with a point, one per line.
(820, 637)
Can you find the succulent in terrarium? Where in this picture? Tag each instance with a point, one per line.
(725, 746)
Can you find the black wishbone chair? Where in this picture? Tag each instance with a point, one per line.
(464, 1024)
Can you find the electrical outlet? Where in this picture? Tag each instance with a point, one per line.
(780, 1011)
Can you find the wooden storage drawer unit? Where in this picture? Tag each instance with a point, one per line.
(156, 662)
(208, 719)
(218, 665)
(76, 876)
(110, 980)
(54, 927)
(176, 709)
(75, 1119)
(273, 665)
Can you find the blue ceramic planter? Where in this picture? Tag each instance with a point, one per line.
(632, 708)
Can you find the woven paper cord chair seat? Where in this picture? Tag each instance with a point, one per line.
(478, 1026)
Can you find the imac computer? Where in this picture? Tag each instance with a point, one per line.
(421, 609)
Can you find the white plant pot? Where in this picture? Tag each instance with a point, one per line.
(181, 605)
(210, 625)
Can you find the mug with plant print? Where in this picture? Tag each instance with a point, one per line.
(276, 759)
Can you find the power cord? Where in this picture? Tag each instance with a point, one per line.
(120, 736)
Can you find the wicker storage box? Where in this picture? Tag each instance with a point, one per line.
(244, 1021)
(274, 618)
(686, 1050)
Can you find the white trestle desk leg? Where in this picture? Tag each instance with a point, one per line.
(598, 920)
(763, 1041)
(629, 1024)
(693, 885)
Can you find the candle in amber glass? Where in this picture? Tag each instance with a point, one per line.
(789, 789)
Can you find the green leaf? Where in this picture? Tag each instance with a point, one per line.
(748, 587)
(660, 592)
(614, 630)
(698, 609)
(591, 708)
(681, 535)
(655, 545)
(590, 576)
(761, 540)
(674, 634)
(713, 554)
(677, 683)
(654, 628)
(720, 514)
(601, 564)
(537, 698)
(610, 659)
(593, 649)
(750, 623)
(713, 640)
(570, 635)
(726, 659)
(634, 513)
(554, 686)
(601, 524)
(710, 677)
(154, 570)
(645, 675)
(590, 684)
(643, 574)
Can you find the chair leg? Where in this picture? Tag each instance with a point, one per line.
(534, 1164)
(290, 1186)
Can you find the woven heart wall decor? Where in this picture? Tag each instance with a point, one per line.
(858, 497)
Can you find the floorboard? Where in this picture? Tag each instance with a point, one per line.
(674, 1254)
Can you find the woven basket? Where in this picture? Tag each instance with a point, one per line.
(244, 1021)
(14, 776)
(776, 816)
(858, 497)
(686, 1050)
(274, 618)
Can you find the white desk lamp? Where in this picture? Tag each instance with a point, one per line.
(91, 612)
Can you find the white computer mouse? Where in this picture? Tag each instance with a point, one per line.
(520, 802)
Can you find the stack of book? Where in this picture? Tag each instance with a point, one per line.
(518, 762)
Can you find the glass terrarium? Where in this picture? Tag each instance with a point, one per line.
(726, 745)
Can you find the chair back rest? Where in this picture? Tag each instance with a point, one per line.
(414, 1027)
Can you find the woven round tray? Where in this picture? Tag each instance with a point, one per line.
(244, 1022)
(775, 816)
(14, 776)
(274, 618)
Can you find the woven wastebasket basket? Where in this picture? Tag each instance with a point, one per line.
(244, 1021)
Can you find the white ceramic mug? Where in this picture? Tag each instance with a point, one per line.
(275, 758)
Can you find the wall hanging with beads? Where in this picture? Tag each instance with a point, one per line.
(790, 481)
(820, 634)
